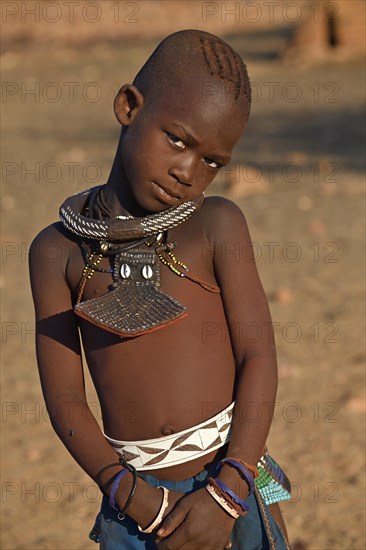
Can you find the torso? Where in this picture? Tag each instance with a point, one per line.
(173, 378)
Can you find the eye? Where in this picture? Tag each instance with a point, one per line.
(176, 140)
(213, 163)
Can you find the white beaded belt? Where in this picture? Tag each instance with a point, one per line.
(151, 454)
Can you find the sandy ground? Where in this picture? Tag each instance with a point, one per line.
(297, 174)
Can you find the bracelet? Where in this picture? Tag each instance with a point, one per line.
(250, 467)
(121, 474)
(253, 469)
(222, 502)
(121, 514)
(97, 477)
(246, 474)
(159, 517)
(232, 495)
(241, 509)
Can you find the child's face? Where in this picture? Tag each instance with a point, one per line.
(179, 144)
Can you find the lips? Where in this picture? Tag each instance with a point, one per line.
(167, 190)
(165, 193)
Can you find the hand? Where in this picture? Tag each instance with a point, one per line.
(198, 522)
(174, 497)
(154, 504)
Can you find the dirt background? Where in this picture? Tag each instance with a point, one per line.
(298, 176)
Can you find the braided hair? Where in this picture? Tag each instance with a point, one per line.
(193, 56)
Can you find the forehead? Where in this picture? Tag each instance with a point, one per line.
(206, 107)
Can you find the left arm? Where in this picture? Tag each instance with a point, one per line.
(249, 324)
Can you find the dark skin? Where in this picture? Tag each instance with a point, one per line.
(180, 144)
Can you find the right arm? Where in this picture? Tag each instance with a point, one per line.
(61, 374)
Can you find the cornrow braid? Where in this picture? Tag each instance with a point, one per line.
(207, 61)
(185, 58)
(225, 63)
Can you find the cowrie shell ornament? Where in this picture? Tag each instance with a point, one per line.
(147, 272)
(125, 271)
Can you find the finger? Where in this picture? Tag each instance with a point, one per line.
(228, 545)
(172, 521)
(179, 540)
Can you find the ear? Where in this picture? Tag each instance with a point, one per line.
(127, 104)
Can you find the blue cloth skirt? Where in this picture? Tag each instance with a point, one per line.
(257, 530)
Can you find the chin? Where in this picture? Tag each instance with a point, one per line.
(149, 204)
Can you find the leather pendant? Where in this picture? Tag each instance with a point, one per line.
(136, 305)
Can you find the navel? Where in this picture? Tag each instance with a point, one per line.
(167, 430)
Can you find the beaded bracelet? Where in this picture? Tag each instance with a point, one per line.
(150, 528)
(272, 483)
(246, 474)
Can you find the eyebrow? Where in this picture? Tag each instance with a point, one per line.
(192, 141)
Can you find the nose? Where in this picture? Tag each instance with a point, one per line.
(183, 169)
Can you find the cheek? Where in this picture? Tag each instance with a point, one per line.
(204, 176)
(145, 147)
(133, 151)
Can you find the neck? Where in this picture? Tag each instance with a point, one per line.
(117, 191)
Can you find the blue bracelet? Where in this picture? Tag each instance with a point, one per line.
(248, 477)
(121, 474)
(231, 494)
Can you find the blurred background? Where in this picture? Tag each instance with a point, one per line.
(298, 176)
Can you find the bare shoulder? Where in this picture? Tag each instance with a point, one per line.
(51, 247)
(54, 233)
(224, 219)
(49, 256)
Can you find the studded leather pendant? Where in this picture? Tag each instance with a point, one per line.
(136, 305)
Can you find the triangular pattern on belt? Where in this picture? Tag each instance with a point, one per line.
(216, 442)
(207, 437)
(180, 447)
(157, 459)
(180, 439)
(128, 456)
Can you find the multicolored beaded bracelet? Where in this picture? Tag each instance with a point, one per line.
(272, 483)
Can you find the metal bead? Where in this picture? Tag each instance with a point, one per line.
(104, 247)
(125, 271)
(147, 272)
